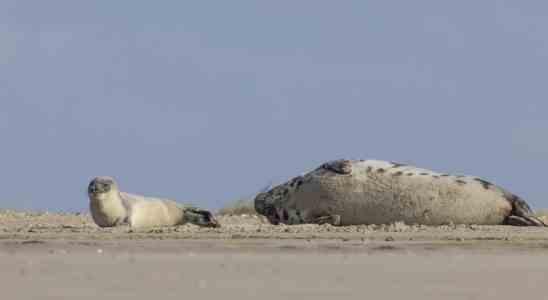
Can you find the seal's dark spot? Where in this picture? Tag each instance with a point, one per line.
(460, 182)
(380, 170)
(298, 213)
(510, 197)
(296, 182)
(444, 175)
(410, 174)
(341, 166)
(424, 174)
(397, 165)
(484, 183)
(397, 173)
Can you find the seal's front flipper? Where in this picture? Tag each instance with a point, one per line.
(199, 217)
(334, 220)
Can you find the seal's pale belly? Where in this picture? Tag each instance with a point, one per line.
(360, 199)
(150, 213)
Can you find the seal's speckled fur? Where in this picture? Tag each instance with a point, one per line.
(350, 192)
(110, 207)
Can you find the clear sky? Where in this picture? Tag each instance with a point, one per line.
(210, 101)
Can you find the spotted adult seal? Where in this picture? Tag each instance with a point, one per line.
(351, 192)
(110, 207)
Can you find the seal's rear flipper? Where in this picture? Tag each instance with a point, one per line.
(521, 214)
(523, 221)
(200, 217)
(334, 220)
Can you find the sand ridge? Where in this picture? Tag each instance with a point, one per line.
(44, 226)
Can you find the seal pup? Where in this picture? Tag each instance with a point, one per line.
(352, 192)
(110, 207)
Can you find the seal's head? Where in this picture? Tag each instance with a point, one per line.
(100, 186)
(106, 206)
(264, 205)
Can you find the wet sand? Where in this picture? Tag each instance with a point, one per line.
(56, 256)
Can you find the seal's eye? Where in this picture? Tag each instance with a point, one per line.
(92, 189)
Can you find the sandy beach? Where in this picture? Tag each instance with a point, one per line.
(66, 256)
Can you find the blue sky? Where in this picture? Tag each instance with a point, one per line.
(210, 101)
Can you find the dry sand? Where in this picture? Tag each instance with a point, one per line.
(65, 256)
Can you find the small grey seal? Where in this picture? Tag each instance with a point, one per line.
(110, 207)
(352, 192)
